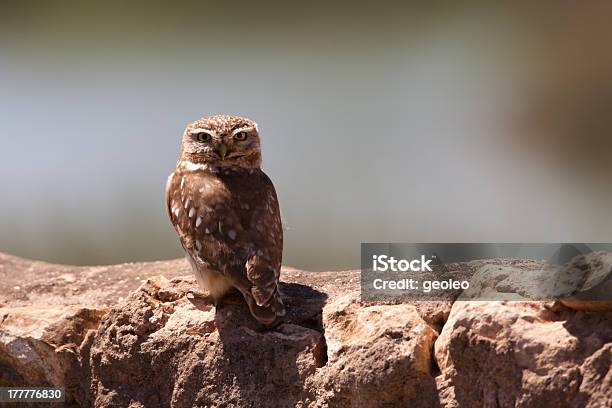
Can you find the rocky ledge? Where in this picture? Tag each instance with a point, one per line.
(131, 336)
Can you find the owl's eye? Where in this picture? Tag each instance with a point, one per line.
(204, 137)
(240, 136)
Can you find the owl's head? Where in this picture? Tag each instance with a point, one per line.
(222, 141)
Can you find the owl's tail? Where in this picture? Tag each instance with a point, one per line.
(266, 314)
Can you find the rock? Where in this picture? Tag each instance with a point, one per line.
(158, 351)
(38, 346)
(595, 293)
(379, 355)
(129, 336)
(434, 312)
(584, 283)
(508, 354)
(46, 284)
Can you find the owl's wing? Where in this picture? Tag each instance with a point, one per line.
(241, 237)
(264, 264)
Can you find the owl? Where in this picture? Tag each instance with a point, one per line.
(226, 213)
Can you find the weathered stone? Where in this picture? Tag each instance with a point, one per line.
(379, 355)
(584, 283)
(507, 354)
(595, 292)
(182, 353)
(39, 346)
(129, 336)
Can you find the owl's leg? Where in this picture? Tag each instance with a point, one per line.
(213, 282)
(229, 298)
(194, 293)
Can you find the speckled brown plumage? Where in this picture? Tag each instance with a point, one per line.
(226, 213)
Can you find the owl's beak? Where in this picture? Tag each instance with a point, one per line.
(222, 151)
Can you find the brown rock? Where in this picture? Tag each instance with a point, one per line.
(39, 346)
(161, 349)
(30, 283)
(507, 354)
(154, 346)
(155, 351)
(379, 355)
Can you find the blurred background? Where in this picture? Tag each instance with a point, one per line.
(380, 121)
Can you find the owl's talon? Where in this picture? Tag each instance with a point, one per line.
(195, 294)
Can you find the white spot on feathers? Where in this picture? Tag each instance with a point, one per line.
(198, 221)
(191, 212)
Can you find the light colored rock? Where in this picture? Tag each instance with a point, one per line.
(37, 344)
(585, 283)
(595, 293)
(507, 354)
(379, 355)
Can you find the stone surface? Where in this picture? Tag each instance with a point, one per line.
(523, 354)
(39, 346)
(131, 336)
(595, 292)
(379, 355)
(30, 283)
(160, 348)
(584, 283)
